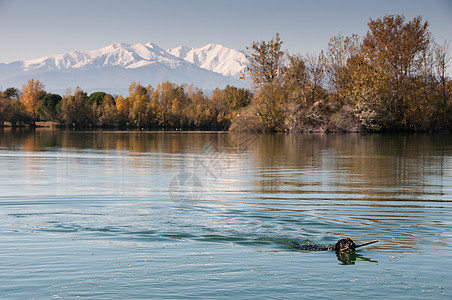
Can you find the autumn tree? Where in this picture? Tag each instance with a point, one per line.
(162, 101)
(76, 110)
(106, 112)
(123, 106)
(316, 68)
(267, 75)
(222, 109)
(296, 79)
(4, 104)
(140, 113)
(442, 59)
(16, 113)
(236, 98)
(32, 92)
(394, 49)
(266, 62)
(362, 91)
(340, 50)
(11, 109)
(169, 104)
(198, 111)
(179, 108)
(295, 86)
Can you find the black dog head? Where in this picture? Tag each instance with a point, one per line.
(345, 245)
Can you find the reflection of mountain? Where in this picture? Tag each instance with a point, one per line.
(114, 67)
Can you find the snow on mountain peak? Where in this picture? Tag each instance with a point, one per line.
(214, 57)
(125, 55)
(180, 51)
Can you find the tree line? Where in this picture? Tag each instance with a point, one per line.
(392, 79)
(169, 106)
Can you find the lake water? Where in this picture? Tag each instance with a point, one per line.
(146, 215)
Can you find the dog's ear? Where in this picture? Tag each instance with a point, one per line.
(339, 245)
(349, 244)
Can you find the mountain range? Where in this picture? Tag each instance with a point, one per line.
(111, 69)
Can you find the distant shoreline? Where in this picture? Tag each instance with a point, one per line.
(47, 125)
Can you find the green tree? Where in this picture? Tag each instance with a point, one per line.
(47, 110)
(97, 97)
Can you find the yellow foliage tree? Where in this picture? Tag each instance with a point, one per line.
(123, 107)
(32, 91)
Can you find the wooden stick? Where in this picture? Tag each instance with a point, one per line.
(367, 243)
(360, 245)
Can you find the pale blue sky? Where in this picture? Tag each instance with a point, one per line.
(31, 29)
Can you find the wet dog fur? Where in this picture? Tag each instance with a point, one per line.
(344, 245)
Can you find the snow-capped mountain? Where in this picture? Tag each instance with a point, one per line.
(127, 56)
(214, 57)
(114, 67)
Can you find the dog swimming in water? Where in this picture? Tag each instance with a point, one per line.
(345, 244)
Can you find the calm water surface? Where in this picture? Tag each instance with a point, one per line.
(145, 215)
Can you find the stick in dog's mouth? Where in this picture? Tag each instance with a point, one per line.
(360, 245)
